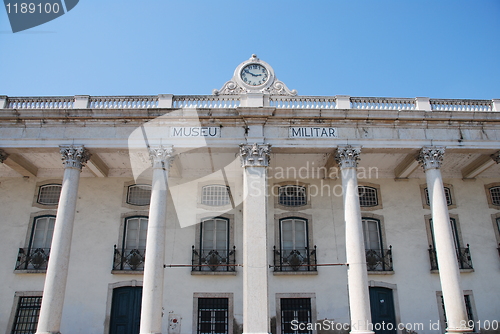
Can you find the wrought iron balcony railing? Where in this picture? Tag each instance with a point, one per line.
(213, 259)
(463, 257)
(32, 259)
(379, 259)
(129, 259)
(295, 259)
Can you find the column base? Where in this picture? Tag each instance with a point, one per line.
(47, 332)
(362, 332)
(459, 331)
(255, 333)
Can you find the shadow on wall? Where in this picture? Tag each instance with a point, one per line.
(237, 328)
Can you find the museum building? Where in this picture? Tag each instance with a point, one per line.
(251, 210)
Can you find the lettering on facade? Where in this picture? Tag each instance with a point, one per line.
(308, 132)
(195, 131)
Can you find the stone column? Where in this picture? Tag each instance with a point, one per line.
(431, 158)
(152, 289)
(255, 160)
(357, 278)
(49, 322)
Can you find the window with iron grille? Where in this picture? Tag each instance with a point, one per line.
(495, 195)
(292, 195)
(368, 196)
(213, 316)
(49, 194)
(296, 310)
(215, 195)
(447, 193)
(27, 312)
(139, 194)
(468, 309)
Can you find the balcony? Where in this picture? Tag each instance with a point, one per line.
(295, 260)
(213, 260)
(32, 259)
(463, 257)
(379, 259)
(129, 259)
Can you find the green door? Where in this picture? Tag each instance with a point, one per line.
(126, 310)
(382, 310)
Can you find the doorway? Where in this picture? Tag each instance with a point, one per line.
(126, 310)
(382, 310)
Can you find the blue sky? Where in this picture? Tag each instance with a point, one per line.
(403, 48)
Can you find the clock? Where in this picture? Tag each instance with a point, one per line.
(254, 74)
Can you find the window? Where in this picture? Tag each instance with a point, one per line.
(215, 195)
(377, 258)
(131, 255)
(447, 193)
(26, 314)
(463, 253)
(495, 195)
(296, 311)
(49, 194)
(213, 316)
(368, 196)
(468, 309)
(139, 194)
(292, 195)
(293, 253)
(214, 253)
(36, 255)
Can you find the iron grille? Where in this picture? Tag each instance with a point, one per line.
(139, 194)
(215, 195)
(298, 309)
(468, 309)
(129, 259)
(49, 194)
(213, 259)
(32, 259)
(379, 259)
(447, 194)
(213, 316)
(367, 196)
(495, 195)
(463, 257)
(295, 259)
(26, 319)
(292, 195)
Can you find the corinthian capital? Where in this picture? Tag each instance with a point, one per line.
(256, 155)
(431, 157)
(347, 156)
(74, 156)
(3, 155)
(161, 156)
(494, 156)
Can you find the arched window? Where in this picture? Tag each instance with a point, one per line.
(292, 195)
(368, 196)
(48, 194)
(495, 195)
(139, 194)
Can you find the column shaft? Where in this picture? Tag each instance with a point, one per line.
(255, 251)
(152, 293)
(357, 277)
(49, 321)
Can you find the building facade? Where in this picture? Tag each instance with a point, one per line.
(251, 210)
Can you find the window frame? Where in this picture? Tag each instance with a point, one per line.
(279, 296)
(376, 187)
(424, 196)
(275, 191)
(39, 186)
(230, 241)
(212, 209)
(383, 239)
(17, 297)
(229, 196)
(230, 306)
(136, 185)
(439, 296)
(487, 188)
(125, 203)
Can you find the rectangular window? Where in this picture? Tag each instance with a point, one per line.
(27, 312)
(213, 316)
(295, 311)
(468, 309)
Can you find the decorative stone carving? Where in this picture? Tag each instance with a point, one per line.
(74, 156)
(431, 157)
(494, 156)
(256, 155)
(237, 85)
(3, 155)
(161, 156)
(347, 156)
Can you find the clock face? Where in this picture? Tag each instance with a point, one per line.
(254, 75)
